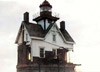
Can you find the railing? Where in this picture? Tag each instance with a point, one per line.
(36, 15)
(55, 14)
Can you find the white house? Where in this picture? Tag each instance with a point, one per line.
(43, 47)
(45, 35)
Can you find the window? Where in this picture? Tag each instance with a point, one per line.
(54, 37)
(55, 52)
(29, 56)
(41, 52)
(45, 8)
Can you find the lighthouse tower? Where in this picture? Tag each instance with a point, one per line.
(43, 47)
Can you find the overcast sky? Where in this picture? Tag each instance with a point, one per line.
(82, 19)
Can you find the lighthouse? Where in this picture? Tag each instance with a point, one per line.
(43, 46)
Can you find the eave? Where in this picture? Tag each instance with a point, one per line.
(45, 17)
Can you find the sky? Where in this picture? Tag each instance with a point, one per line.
(82, 19)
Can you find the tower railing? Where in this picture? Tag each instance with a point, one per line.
(55, 14)
(36, 15)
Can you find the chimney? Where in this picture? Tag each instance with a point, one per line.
(26, 17)
(62, 25)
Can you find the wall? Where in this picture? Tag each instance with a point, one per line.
(28, 37)
(48, 44)
(20, 38)
(37, 44)
(41, 23)
(46, 68)
(59, 39)
(47, 24)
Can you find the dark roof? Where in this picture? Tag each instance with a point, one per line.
(46, 3)
(34, 29)
(66, 35)
(37, 31)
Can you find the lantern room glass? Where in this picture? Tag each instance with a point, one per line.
(45, 8)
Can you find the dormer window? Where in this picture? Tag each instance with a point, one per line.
(54, 37)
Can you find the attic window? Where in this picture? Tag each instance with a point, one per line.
(54, 37)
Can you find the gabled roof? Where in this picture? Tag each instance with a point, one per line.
(35, 30)
(66, 35)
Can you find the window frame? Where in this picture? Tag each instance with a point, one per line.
(43, 52)
(55, 52)
(54, 37)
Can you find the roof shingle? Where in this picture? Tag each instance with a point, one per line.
(66, 35)
(37, 31)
